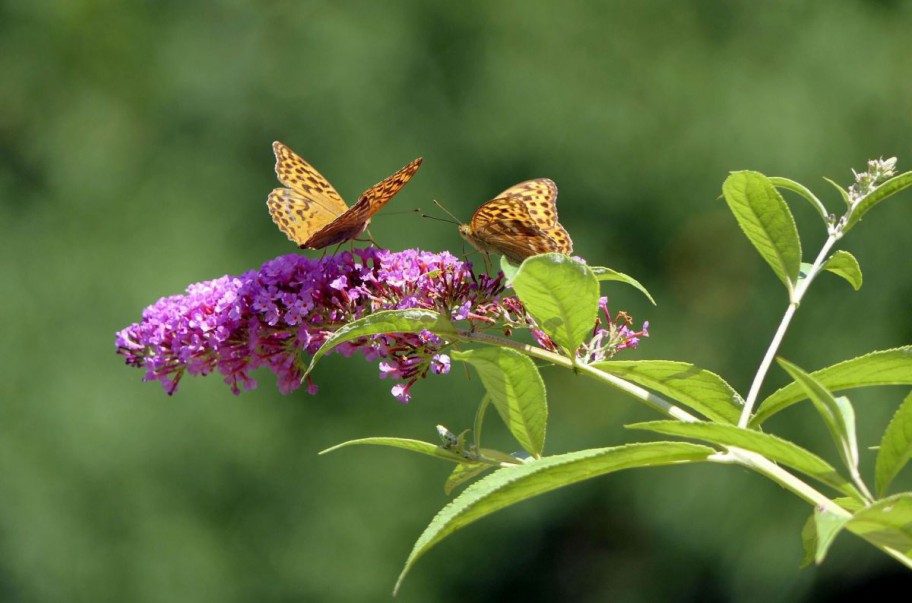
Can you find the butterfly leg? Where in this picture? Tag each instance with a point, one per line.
(487, 262)
(339, 246)
(371, 238)
(466, 254)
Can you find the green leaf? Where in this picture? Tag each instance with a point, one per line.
(885, 190)
(517, 391)
(607, 274)
(508, 269)
(850, 504)
(837, 414)
(888, 522)
(818, 534)
(774, 448)
(696, 388)
(842, 191)
(479, 418)
(884, 367)
(845, 265)
(846, 418)
(805, 192)
(496, 457)
(895, 447)
(425, 448)
(463, 473)
(509, 486)
(385, 321)
(765, 218)
(562, 295)
(808, 541)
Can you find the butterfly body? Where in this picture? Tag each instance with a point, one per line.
(520, 222)
(312, 214)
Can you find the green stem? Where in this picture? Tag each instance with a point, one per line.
(773, 348)
(767, 468)
(771, 470)
(650, 399)
(855, 475)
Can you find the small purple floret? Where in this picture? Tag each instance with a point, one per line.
(440, 364)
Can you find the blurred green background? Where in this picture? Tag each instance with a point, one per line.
(135, 159)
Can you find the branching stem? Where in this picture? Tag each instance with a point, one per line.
(731, 454)
(652, 400)
(795, 301)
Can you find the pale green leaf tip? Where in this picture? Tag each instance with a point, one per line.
(331, 449)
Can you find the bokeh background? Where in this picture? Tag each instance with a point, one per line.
(135, 159)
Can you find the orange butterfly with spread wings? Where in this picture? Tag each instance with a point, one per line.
(312, 214)
(519, 222)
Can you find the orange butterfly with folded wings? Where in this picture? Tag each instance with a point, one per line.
(312, 214)
(520, 222)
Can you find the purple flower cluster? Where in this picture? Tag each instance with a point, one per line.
(267, 317)
(292, 304)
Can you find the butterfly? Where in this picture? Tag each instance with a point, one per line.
(519, 222)
(312, 214)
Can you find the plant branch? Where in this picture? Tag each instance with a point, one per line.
(773, 349)
(731, 454)
(762, 465)
(650, 399)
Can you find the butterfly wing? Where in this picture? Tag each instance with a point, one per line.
(560, 240)
(304, 179)
(355, 219)
(308, 204)
(379, 194)
(540, 197)
(297, 215)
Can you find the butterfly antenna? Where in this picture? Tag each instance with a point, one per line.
(438, 219)
(446, 211)
(394, 212)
